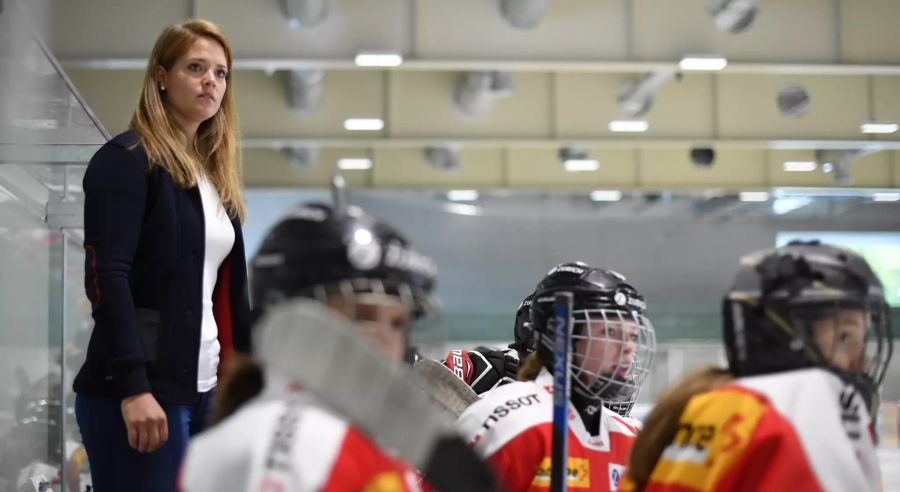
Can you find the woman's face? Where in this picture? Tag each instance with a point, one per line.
(842, 339)
(195, 84)
(608, 349)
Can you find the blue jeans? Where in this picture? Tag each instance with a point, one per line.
(115, 465)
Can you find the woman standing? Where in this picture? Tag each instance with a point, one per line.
(164, 265)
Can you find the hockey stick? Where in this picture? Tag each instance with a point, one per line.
(323, 352)
(562, 358)
(443, 386)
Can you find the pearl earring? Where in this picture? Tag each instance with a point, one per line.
(162, 88)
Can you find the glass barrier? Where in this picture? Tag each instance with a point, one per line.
(47, 135)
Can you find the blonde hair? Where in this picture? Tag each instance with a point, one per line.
(662, 423)
(215, 144)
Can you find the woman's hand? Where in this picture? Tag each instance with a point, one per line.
(146, 422)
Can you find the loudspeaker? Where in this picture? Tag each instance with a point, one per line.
(703, 156)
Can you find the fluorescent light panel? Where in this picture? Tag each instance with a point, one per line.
(354, 163)
(754, 196)
(878, 127)
(462, 195)
(628, 126)
(578, 165)
(606, 195)
(799, 166)
(703, 63)
(361, 124)
(378, 60)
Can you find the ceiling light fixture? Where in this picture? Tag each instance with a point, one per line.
(703, 63)
(363, 124)
(581, 165)
(378, 60)
(354, 163)
(878, 127)
(628, 126)
(800, 166)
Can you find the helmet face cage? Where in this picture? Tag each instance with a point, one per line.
(853, 339)
(416, 303)
(612, 353)
(622, 408)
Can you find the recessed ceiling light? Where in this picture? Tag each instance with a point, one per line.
(354, 163)
(800, 166)
(579, 165)
(878, 127)
(697, 62)
(357, 124)
(628, 126)
(378, 60)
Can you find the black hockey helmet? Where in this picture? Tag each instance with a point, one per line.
(314, 249)
(606, 309)
(774, 312)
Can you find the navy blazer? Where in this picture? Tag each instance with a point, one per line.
(144, 241)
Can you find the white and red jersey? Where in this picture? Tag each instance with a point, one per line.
(512, 427)
(802, 431)
(289, 444)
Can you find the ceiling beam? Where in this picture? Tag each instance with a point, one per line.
(275, 64)
(285, 142)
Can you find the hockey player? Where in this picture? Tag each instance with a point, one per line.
(485, 368)
(613, 347)
(284, 440)
(808, 338)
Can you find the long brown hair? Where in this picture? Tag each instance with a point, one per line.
(530, 367)
(662, 423)
(215, 144)
(242, 380)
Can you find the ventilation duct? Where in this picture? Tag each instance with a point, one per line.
(475, 92)
(793, 101)
(839, 161)
(523, 14)
(303, 157)
(733, 16)
(304, 90)
(636, 96)
(444, 157)
(305, 13)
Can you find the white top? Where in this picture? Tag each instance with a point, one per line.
(219, 240)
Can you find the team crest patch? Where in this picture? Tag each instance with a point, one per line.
(616, 472)
(579, 473)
